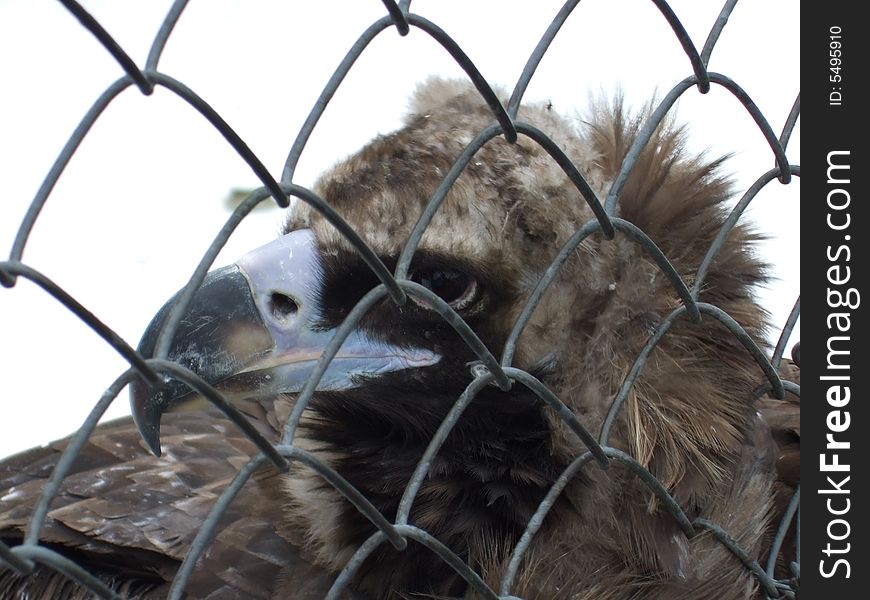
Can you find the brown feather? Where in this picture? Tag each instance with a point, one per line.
(130, 517)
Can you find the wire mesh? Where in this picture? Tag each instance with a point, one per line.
(490, 370)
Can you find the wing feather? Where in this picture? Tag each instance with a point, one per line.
(130, 517)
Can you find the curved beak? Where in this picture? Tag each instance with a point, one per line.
(251, 329)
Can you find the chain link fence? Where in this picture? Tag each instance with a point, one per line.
(22, 558)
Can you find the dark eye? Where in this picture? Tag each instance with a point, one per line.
(456, 288)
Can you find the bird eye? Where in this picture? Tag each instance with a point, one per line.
(456, 288)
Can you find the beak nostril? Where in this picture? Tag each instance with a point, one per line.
(282, 306)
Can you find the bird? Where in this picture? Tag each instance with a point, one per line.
(255, 330)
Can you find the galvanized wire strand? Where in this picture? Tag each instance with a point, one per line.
(452, 418)
(450, 558)
(421, 471)
(784, 525)
(60, 163)
(415, 481)
(162, 37)
(326, 95)
(752, 565)
(537, 520)
(70, 454)
(398, 17)
(788, 386)
(698, 65)
(537, 55)
(729, 224)
(795, 565)
(792, 388)
(10, 559)
(17, 269)
(92, 25)
(68, 567)
(785, 590)
(716, 30)
(781, 343)
(350, 568)
(652, 483)
(790, 123)
(207, 531)
(635, 371)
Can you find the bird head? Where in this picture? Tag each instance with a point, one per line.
(257, 328)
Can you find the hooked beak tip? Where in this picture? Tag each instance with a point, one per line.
(146, 414)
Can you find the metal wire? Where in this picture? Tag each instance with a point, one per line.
(23, 557)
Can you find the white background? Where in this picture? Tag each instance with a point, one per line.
(145, 194)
